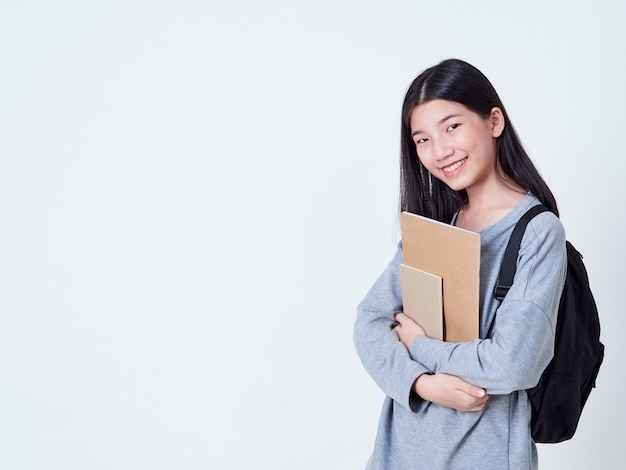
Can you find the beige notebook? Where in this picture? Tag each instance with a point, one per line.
(454, 255)
(422, 299)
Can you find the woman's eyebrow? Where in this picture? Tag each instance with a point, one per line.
(441, 121)
(449, 116)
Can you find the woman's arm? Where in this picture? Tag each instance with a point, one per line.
(443, 389)
(387, 360)
(451, 391)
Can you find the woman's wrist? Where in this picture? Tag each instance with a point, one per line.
(420, 385)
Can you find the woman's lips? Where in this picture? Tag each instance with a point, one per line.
(447, 170)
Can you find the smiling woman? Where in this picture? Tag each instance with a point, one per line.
(444, 144)
(455, 94)
(464, 405)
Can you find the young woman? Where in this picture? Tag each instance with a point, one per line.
(463, 405)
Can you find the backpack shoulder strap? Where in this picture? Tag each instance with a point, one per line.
(509, 262)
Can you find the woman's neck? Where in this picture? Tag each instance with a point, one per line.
(488, 205)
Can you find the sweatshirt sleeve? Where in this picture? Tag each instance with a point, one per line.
(384, 357)
(522, 341)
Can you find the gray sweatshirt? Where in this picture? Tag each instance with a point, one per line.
(416, 434)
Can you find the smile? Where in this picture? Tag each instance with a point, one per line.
(454, 166)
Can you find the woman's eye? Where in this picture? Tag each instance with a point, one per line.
(421, 141)
(452, 127)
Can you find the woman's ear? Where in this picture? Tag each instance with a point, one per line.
(496, 119)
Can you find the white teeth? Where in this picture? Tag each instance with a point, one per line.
(453, 167)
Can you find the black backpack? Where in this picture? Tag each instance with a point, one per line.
(559, 397)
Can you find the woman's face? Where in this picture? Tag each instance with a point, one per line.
(456, 145)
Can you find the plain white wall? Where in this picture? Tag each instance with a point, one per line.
(195, 195)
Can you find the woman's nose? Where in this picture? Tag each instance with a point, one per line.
(442, 149)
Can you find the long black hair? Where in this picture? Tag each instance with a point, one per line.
(458, 81)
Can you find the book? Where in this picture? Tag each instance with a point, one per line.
(453, 254)
(422, 299)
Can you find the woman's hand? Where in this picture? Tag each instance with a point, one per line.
(407, 330)
(443, 389)
(451, 391)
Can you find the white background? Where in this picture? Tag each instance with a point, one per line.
(195, 195)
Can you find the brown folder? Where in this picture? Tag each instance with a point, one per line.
(422, 299)
(453, 254)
